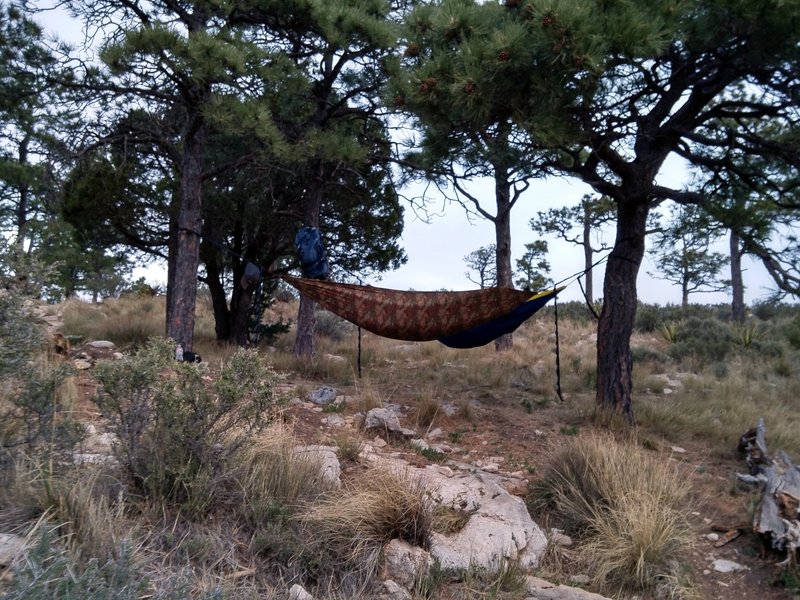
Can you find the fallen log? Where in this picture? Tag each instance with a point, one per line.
(778, 513)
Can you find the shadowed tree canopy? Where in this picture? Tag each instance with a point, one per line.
(608, 91)
(336, 127)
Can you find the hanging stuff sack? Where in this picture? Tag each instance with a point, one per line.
(311, 253)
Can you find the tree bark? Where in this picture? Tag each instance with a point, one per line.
(22, 206)
(588, 253)
(502, 232)
(180, 323)
(219, 300)
(241, 302)
(737, 281)
(306, 314)
(614, 362)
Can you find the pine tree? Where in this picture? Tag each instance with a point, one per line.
(607, 92)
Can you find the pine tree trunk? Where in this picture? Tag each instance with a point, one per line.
(219, 300)
(614, 362)
(588, 254)
(306, 314)
(22, 207)
(241, 301)
(306, 322)
(172, 253)
(180, 323)
(502, 229)
(737, 281)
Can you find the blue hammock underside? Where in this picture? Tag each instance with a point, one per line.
(481, 335)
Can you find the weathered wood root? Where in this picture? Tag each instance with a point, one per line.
(778, 513)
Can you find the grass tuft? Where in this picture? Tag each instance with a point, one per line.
(357, 520)
(624, 503)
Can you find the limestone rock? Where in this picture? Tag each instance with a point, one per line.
(404, 563)
(298, 592)
(329, 467)
(104, 344)
(499, 528)
(539, 589)
(386, 419)
(323, 395)
(727, 566)
(394, 591)
(11, 548)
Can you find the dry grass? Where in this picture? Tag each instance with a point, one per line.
(368, 512)
(86, 502)
(624, 503)
(275, 477)
(720, 411)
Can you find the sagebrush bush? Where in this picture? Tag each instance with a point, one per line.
(792, 332)
(33, 410)
(331, 326)
(705, 339)
(177, 426)
(50, 572)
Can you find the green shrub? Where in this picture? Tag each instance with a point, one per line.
(706, 339)
(643, 354)
(49, 572)
(331, 326)
(34, 413)
(177, 427)
(792, 332)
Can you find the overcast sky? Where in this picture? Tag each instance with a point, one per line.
(437, 243)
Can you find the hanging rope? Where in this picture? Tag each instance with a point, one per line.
(558, 354)
(588, 301)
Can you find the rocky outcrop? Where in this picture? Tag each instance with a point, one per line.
(498, 528)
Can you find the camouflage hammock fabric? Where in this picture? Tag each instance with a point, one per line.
(457, 319)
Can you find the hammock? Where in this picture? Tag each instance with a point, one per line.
(457, 319)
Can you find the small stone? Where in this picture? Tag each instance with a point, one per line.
(81, 364)
(323, 395)
(333, 421)
(11, 548)
(298, 592)
(419, 444)
(379, 442)
(579, 579)
(559, 538)
(102, 344)
(435, 433)
(334, 358)
(713, 537)
(678, 449)
(394, 591)
(727, 566)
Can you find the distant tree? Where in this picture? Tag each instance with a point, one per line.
(533, 268)
(482, 262)
(32, 113)
(753, 196)
(580, 225)
(683, 254)
(468, 126)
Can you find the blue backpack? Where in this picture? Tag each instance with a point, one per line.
(311, 252)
